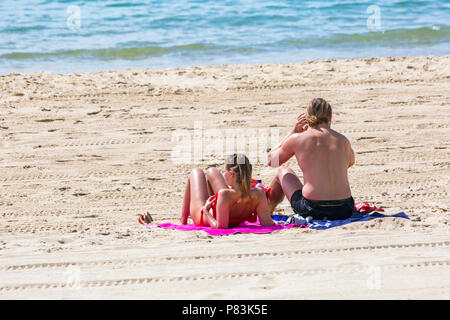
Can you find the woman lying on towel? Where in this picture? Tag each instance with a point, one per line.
(221, 201)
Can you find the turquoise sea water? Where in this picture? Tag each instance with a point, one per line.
(70, 36)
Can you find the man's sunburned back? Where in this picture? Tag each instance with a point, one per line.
(323, 157)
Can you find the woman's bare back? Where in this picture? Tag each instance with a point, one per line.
(243, 207)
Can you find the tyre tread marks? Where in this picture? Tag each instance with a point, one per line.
(225, 256)
(226, 276)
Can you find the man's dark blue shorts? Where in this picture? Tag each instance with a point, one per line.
(322, 209)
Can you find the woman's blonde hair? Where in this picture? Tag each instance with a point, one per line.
(318, 111)
(240, 165)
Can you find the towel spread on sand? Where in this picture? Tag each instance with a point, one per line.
(248, 227)
(245, 227)
(326, 224)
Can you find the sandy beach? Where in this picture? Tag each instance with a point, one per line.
(83, 154)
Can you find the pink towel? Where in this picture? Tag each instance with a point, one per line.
(245, 227)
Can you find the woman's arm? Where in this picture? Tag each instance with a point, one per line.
(262, 209)
(222, 211)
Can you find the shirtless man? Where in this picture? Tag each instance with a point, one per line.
(324, 156)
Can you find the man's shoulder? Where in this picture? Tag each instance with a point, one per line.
(298, 137)
(296, 140)
(339, 135)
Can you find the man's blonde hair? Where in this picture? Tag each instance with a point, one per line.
(318, 111)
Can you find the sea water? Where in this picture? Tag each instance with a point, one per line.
(71, 36)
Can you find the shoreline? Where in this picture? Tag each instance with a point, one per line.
(160, 69)
(83, 154)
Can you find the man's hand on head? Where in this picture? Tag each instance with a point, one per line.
(301, 125)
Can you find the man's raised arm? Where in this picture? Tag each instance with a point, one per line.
(276, 158)
(284, 150)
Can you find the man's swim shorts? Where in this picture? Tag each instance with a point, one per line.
(322, 209)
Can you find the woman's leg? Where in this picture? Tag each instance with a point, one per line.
(186, 202)
(195, 196)
(215, 180)
(285, 183)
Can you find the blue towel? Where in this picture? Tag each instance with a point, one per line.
(326, 224)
